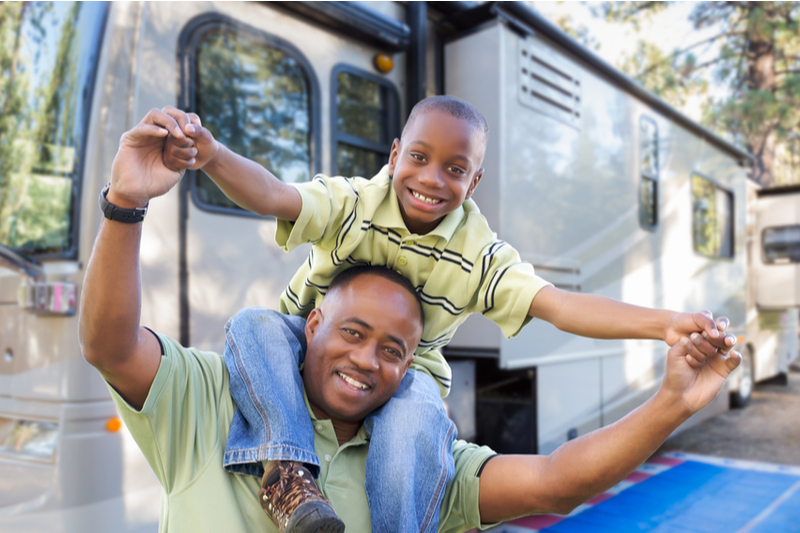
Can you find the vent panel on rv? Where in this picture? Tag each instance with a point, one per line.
(547, 85)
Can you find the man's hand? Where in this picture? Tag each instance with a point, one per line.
(138, 172)
(692, 383)
(195, 149)
(706, 335)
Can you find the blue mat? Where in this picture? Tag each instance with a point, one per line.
(695, 497)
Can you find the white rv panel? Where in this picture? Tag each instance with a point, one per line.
(776, 253)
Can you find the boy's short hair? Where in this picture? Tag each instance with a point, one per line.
(344, 278)
(454, 107)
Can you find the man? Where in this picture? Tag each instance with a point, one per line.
(177, 404)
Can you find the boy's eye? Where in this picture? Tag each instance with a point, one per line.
(456, 170)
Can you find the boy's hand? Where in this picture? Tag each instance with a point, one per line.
(706, 335)
(195, 149)
(696, 384)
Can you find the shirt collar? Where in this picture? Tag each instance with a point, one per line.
(388, 215)
(359, 438)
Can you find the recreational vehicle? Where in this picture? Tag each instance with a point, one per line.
(604, 188)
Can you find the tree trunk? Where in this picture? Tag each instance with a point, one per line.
(762, 138)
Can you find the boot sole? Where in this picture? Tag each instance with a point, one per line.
(315, 517)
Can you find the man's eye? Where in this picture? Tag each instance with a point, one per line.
(352, 332)
(418, 157)
(394, 353)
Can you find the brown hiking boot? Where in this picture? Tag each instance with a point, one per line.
(291, 498)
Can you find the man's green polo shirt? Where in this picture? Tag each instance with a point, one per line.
(182, 429)
(458, 268)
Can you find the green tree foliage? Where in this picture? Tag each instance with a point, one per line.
(757, 57)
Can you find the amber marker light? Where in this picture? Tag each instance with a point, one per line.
(739, 340)
(114, 424)
(384, 63)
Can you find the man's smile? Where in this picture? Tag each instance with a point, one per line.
(352, 382)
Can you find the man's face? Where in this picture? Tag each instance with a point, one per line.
(435, 168)
(361, 341)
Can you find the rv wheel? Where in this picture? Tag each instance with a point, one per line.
(741, 397)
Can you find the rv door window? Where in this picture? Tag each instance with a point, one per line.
(781, 245)
(47, 63)
(648, 173)
(255, 98)
(365, 121)
(712, 214)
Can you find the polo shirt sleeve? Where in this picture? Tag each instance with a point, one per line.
(328, 209)
(175, 428)
(506, 288)
(460, 508)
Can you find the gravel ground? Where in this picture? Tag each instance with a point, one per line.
(768, 429)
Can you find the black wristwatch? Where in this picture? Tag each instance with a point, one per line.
(119, 214)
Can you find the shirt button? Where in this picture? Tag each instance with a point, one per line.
(327, 458)
(411, 242)
(319, 427)
(399, 272)
(402, 261)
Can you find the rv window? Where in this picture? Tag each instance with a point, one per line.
(781, 245)
(364, 122)
(255, 99)
(712, 208)
(47, 62)
(648, 173)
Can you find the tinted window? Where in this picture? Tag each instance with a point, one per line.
(712, 218)
(781, 244)
(255, 99)
(47, 61)
(648, 171)
(365, 123)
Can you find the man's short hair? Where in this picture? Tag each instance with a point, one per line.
(455, 107)
(343, 279)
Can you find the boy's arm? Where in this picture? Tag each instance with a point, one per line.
(244, 181)
(513, 486)
(599, 317)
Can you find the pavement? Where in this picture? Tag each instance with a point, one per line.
(679, 492)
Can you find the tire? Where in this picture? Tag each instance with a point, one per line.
(741, 397)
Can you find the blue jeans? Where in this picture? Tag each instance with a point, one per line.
(410, 458)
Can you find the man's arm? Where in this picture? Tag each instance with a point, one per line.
(513, 486)
(127, 355)
(598, 317)
(244, 181)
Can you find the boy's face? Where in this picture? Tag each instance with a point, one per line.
(435, 168)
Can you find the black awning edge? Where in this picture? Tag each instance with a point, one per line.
(357, 21)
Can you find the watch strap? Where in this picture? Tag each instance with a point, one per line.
(120, 214)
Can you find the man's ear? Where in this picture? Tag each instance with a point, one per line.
(312, 324)
(475, 181)
(393, 155)
(408, 364)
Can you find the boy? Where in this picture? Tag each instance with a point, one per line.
(415, 217)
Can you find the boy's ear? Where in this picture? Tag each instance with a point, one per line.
(475, 180)
(393, 155)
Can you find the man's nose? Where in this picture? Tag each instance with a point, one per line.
(365, 357)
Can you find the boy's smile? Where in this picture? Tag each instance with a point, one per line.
(435, 168)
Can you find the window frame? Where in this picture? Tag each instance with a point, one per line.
(187, 52)
(392, 114)
(764, 250)
(645, 176)
(730, 193)
(70, 252)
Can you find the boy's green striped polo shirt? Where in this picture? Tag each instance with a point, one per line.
(459, 268)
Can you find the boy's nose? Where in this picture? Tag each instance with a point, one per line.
(431, 178)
